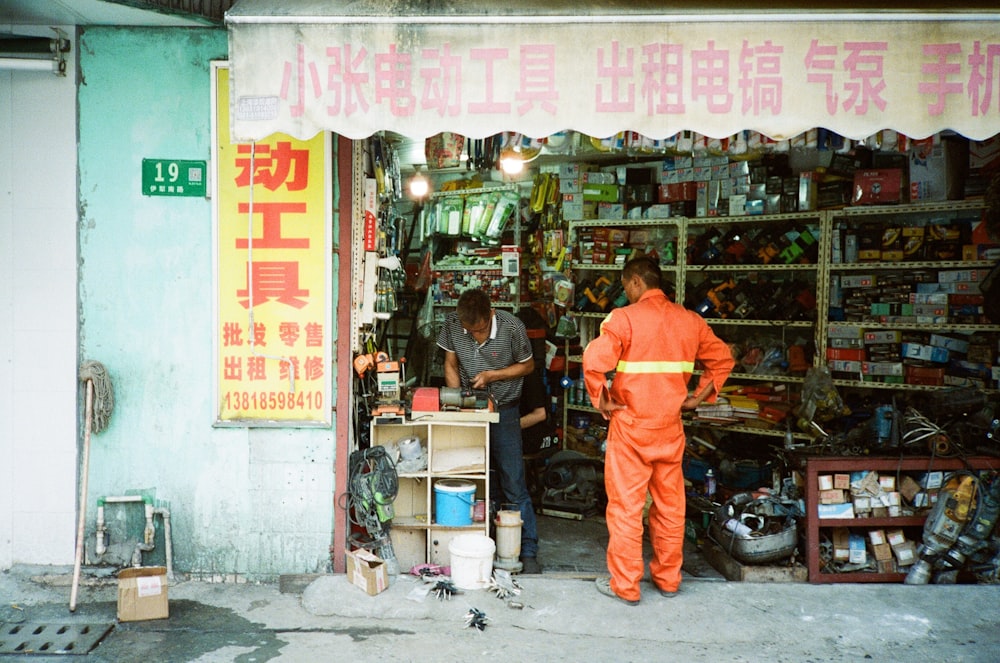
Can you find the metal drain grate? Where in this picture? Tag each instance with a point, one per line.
(39, 638)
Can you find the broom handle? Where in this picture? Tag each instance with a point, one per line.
(83, 496)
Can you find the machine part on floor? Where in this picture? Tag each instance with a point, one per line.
(755, 530)
(960, 530)
(503, 584)
(444, 588)
(574, 485)
(508, 537)
(476, 619)
(373, 485)
(100, 403)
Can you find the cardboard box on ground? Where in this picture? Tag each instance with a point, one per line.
(367, 571)
(142, 594)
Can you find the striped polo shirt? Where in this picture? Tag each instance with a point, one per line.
(507, 344)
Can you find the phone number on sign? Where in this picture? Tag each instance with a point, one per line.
(273, 400)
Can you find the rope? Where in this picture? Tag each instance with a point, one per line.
(104, 395)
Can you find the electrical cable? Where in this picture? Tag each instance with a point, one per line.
(373, 485)
(919, 430)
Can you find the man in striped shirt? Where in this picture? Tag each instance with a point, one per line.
(489, 350)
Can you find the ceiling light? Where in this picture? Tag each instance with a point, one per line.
(419, 186)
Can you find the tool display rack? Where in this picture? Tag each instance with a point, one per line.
(416, 537)
(513, 229)
(917, 214)
(683, 275)
(816, 527)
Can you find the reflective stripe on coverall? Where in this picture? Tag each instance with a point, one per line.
(652, 345)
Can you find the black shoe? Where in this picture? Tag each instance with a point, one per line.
(530, 566)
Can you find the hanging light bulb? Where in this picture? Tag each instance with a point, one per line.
(512, 164)
(419, 186)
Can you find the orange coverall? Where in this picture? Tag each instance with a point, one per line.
(652, 346)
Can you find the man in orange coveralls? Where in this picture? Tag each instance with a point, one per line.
(652, 346)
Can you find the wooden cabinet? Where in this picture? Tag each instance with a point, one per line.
(817, 527)
(457, 447)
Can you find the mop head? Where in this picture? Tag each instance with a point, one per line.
(104, 395)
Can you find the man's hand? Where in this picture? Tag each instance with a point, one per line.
(482, 379)
(608, 405)
(690, 403)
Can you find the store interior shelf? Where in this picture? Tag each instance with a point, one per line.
(795, 267)
(894, 387)
(927, 326)
(759, 323)
(908, 265)
(817, 465)
(912, 208)
(587, 265)
(791, 379)
(749, 430)
(491, 267)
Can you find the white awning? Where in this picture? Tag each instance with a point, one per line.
(420, 67)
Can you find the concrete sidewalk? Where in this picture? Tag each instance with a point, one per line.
(562, 619)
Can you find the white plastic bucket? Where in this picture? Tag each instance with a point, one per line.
(453, 502)
(471, 560)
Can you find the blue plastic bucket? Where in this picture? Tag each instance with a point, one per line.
(454, 501)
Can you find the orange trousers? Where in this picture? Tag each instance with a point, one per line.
(637, 460)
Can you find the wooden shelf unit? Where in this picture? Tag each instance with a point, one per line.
(818, 465)
(416, 536)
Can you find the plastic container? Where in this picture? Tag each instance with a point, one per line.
(453, 502)
(710, 483)
(471, 560)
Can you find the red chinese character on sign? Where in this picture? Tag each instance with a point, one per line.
(980, 82)
(940, 69)
(760, 78)
(345, 80)
(314, 334)
(232, 334)
(274, 280)
(618, 100)
(393, 81)
(489, 56)
(256, 368)
(259, 334)
(293, 363)
(866, 73)
(314, 368)
(663, 78)
(710, 78)
(232, 368)
(271, 226)
(297, 108)
(538, 78)
(820, 63)
(288, 332)
(272, 166)
(442, 83)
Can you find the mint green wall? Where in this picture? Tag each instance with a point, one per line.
(253, 503)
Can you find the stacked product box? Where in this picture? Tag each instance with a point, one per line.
(917, 296)
(913, 357)
(714, 186)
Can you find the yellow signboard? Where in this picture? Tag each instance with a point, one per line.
(273, 273)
